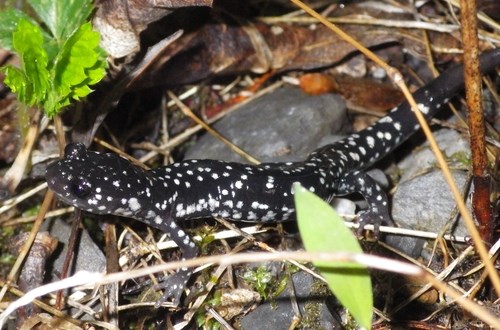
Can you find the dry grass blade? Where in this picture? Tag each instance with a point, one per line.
(188, 112)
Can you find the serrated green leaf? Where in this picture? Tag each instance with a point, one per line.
(322, 230)
(98, 71)
(8, 24)
(80, 63)
(58, 68)
(18, 82)
(54, 102)
(78, 58)
(62, 17)
(32, 80)
(27, 41)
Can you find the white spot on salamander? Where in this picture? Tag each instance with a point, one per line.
(423, 108)
(370, 141)
(134, 204)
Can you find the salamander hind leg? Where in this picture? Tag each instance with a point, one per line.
(378, 204)
(175, 284)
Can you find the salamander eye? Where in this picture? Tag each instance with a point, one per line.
(81, 188)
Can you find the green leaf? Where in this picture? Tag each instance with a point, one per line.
(32, 81)
(62, 17)
(77, 56)
(27, 41)
(18, 83)
(80, 63)
(322, 230)
(57, 68)
(8, 24)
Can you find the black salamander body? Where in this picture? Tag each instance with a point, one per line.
(108, 184)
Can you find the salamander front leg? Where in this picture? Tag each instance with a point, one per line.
(175, 284)
(378, 204)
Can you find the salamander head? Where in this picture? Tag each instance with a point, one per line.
(99, 183)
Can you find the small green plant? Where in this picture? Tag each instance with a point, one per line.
(58, 63)
(462, 158)
(207, 236)
(203, 321)
(322, 230)
(260, 279)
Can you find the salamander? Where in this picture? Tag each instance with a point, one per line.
(104, 183)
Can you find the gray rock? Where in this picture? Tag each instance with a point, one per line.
(88, 255)
(426, 203)
(283, 126)
(422, 159)
(423, 200)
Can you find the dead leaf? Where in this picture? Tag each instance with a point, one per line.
(120, 22)
(233, 47)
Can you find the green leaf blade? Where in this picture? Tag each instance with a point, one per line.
(57, 67)
(62, 17)
(31, 82)
(322, 230)
(78, 56)
(80, 63)
(18, 83)
(8, 24)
